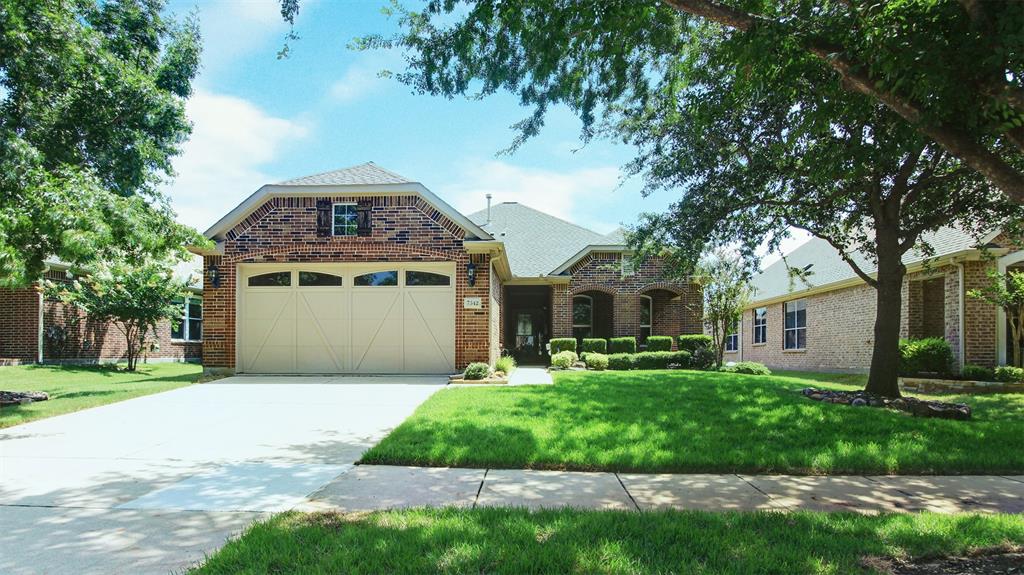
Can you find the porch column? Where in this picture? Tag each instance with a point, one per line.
(627, 314)
(561, 311)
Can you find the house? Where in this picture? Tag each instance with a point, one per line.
(826, 321)
(38, 329)
(361, 270)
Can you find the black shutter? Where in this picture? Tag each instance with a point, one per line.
(363, 227)
(324, 216)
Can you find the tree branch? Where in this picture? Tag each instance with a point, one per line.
(842, 252)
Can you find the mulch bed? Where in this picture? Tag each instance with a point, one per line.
(912, 405)
(985, 563)
(21, 397)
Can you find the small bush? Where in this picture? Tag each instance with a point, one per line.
(1009, 374)
(703, 358)
(564, 359)
(594, 344)
(693, 342)
(681, 359)
(505, 363)
(622, 361)
(560, 344)
(747, 367)
(977, 373)
(659, 343)
(652, 359)
(597, 361)
(477, 371)
(622, 345)
(928, 355)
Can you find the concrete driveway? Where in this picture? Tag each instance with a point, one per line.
(151, 485)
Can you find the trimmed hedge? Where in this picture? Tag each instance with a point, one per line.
(928, 355)
(597, 361)
(693, 342)
(560, 344)
(659, 343)
(564, 359)
(622, 361)
(977, 373)
(649, 360)
(622, 345)
(1009, 374)
(747, 367)
(477, 371)
(594, 344)
(703, 358)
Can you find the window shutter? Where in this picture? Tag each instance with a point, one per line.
(323, 218)
(363, 227)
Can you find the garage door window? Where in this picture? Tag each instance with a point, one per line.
(426, 279)
(377, 279)
(273, 279)
(318, 279)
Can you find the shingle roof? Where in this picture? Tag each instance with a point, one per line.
(536, 242)
(363, 174)
(826, 267)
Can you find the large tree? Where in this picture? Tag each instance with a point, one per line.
(92, 110)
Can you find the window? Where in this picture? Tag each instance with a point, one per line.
(426, 279)
(761, 325)
(646, 311)
(345, 217)
(377, 279)
(318, 279)
(190, 326)
(272, 279)
(582, 316)
(732, 339)
(795, 333)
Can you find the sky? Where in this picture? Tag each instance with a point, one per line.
(258, 119)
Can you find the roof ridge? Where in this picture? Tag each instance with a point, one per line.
(346, 169)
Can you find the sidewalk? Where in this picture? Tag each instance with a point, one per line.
(370, 487)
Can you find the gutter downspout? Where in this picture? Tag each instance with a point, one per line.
(961, 296)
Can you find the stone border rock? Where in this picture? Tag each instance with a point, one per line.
(21, 397)
(912, 405)
(935, 385)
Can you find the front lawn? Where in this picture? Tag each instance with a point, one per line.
(72, 388)
(691, 422)
(571, 541)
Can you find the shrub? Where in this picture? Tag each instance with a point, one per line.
(594, 344)
(560, 344)
(703, 358)
(505, 363)
(622, 345)
(1009, 374)
(597, 361)
(622, 361)
(564, 359)
(693, 342)
(659, 343)
(977, 373)
(682, 359)
(477, 371)
(747, 367)
(928, 355)
(652, 359)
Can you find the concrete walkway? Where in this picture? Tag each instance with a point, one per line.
(370, 487)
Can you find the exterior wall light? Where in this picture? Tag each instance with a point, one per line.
(214, 275)
(471, 274)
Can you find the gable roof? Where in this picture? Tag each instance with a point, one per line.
(826, 267)
(367, 179)
(536, 243)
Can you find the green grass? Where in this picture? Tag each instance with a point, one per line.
(691, 422)
(72, 388)
(572, 541)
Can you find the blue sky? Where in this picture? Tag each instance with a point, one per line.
(258, 120)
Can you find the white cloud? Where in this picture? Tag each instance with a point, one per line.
(357, 82)
(224, 161)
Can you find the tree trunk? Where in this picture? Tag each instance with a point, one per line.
(130, 340)
(883, 378)
(1016, 330)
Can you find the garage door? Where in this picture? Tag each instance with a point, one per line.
(347, 318)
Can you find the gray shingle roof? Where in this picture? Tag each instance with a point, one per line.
(827, 267)
(363, 174)
(536, 243)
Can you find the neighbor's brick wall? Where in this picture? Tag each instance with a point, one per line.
(19, 321)
(979, 318)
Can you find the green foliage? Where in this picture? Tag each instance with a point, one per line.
(977, 373)
(564, 359)
(725, 285)
(92, 110)
(1006, 291)
(746, 367)
(693, 342)
(930, 355)
(560, 344)
(1009, 374)
(597, 361)
(622, 361)
(650, 360)
(595, 344)
(476, 371)
(659, 343)
(506, 364)
(704, 358)
(622, 345)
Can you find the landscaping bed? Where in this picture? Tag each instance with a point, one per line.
(912, 405)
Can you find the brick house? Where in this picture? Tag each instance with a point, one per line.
(38, 329)
(826, 322)
(361, 270)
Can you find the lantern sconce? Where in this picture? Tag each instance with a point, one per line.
(471, 274)
(214, 275)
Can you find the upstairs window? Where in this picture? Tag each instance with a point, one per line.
(345, 220)
(761, 325)
(795, 331)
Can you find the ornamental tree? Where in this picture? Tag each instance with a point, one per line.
(725, 287)
(92, 109)
(1006, 291)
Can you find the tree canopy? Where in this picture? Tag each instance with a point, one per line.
(92, 110)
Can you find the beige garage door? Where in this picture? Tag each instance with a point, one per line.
(347, 318)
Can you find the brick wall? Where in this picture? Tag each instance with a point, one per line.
(19, 325)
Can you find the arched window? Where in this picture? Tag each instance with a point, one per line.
(646, 313)
(582, 316)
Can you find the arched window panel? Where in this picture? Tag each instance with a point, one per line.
(272, 279)
(417, 278)
(377, 279)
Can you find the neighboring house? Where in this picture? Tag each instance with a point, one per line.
(361, 270)
(38, 329)
(827, 322)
